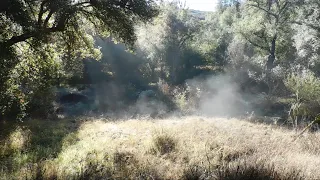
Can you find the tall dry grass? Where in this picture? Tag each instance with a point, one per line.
(188, 148)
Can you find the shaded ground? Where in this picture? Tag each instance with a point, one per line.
(24, 145)
(176, 148)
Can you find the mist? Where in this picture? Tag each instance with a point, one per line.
(218, 96)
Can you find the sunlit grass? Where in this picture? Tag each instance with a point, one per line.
(189, 148)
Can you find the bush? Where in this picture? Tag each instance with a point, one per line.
(12, 102)
(187, 98)
(181, 101)
(28, 88)
(305, 85)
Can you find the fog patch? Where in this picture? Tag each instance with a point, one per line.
(149, 104)
(109, 96)
(219, 96)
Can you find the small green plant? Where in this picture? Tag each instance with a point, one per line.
(306, 87)
(181, 101)
(186, 99)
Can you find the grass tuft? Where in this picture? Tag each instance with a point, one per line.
(19, 139)
(193, 172)
(254, 171)
(164, 143)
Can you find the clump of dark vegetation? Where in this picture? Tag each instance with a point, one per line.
(164, 143)
(194, 172)
(254, 171)
(247, 171)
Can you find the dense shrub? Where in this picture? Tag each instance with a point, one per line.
(306, 88)
(29, 87)
(305, 85)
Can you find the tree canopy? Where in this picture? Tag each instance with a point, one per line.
(46, 44)
(67, 23)
(40, 18)
(43, 33)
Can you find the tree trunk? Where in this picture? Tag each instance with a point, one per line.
(270, 64)
(238, 9)
(272, 56)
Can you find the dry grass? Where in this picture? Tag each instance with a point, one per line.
(188, 148)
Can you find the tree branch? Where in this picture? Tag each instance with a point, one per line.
(15, 39)
(317, 28)
(283, 7)
(267, 48)
(41, 12)
(45, 23)
(184, 39)
(42, 26)
(270, 13)
(83, 3)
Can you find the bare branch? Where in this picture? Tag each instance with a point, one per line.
(84, 4)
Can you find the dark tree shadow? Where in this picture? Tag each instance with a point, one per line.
(43, 139)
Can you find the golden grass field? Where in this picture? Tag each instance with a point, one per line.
(175, 148)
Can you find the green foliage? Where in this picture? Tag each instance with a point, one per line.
(267, 26)
(180, 99)
(306, 37)
(42, 40)
(306, 86)
(40, 18)
(214, 36)
(166, 44)
(186, 99)
(29, 87)
(44, 44)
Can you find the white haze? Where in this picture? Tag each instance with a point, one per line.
(220, 96)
